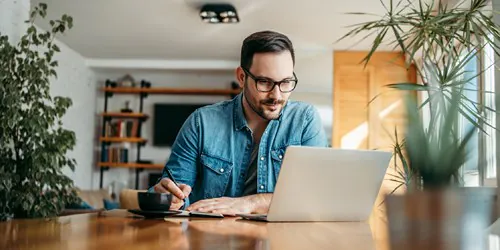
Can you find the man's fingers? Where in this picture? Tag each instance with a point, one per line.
(209, 207)
(209, 202)
(198, 204)
(176, 200)
(226, 212)
(186, 189)
(160, 189)
(176, 205)
(172, 188)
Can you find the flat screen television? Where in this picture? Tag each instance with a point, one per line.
(168, 120)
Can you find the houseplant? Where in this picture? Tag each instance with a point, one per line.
(33, 142)
(439, 40)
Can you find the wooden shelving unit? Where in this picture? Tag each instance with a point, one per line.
(142, 90)
(167, 91)
(130, 165)
(123, 139)
(124, 115)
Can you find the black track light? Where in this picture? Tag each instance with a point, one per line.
(219, 13)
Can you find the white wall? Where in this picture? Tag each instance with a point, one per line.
(13, 13)
(74, 80)
(314, 70)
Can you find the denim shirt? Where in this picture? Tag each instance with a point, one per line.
(213, 148)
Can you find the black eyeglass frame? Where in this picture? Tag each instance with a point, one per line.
(255, 79)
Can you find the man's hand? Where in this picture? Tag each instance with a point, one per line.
(258, 203)
(180, 192)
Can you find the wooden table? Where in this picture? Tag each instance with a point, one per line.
(121, 230)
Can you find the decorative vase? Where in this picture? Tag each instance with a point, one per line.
(127, 108)
(448, 218)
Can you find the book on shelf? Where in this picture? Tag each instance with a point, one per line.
(122, 128)
(116, 155)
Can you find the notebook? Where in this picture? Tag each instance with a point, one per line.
(184, 213)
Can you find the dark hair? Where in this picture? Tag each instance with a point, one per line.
(261, 42)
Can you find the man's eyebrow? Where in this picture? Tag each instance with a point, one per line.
(269, 78)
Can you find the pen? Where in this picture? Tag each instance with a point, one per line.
(171, 177)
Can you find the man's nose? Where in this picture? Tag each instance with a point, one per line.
(275, 93)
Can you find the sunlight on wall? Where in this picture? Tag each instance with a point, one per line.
(389, 109)
(354, 138)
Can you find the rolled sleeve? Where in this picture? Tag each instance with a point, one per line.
(184, 155)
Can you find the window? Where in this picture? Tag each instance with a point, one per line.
(480, 170)
(470, 171)
(488, 141)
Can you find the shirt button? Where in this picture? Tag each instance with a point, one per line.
(280, 156)
(221, 170)
(262, 158)
(262, 187)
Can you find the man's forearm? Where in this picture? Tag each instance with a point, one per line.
(260, 202)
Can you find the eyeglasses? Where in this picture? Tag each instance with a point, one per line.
(267, 85)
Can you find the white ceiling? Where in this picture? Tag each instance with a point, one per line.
(172, 29)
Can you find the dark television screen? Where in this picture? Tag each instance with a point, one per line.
(168, 120)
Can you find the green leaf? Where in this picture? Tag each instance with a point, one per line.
(466, 115)
(361, 13)
(56, 48)
(34, 11)
(409, 86)
(70, 22)
(31, 30)
(397, 181)
(43, 6)
(376, 44)
(53, 73)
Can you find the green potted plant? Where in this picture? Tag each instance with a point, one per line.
(439, 40)
(33, 142)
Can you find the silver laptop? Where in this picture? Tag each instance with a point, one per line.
(326, 184)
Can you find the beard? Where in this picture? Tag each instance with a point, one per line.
(267, 109)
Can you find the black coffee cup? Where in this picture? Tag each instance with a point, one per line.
(154, 201)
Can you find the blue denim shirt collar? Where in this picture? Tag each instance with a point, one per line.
(240, 121)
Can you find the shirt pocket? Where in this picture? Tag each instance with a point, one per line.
(216, 174)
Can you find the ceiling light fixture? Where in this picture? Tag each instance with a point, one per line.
(219, 13)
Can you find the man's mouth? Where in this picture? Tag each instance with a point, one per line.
(272, 106)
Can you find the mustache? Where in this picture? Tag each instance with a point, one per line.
(271, 101)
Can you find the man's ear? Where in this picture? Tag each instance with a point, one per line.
(240, 76)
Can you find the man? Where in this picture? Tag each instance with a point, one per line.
(227, 156)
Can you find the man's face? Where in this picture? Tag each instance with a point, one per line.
(268, 67)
